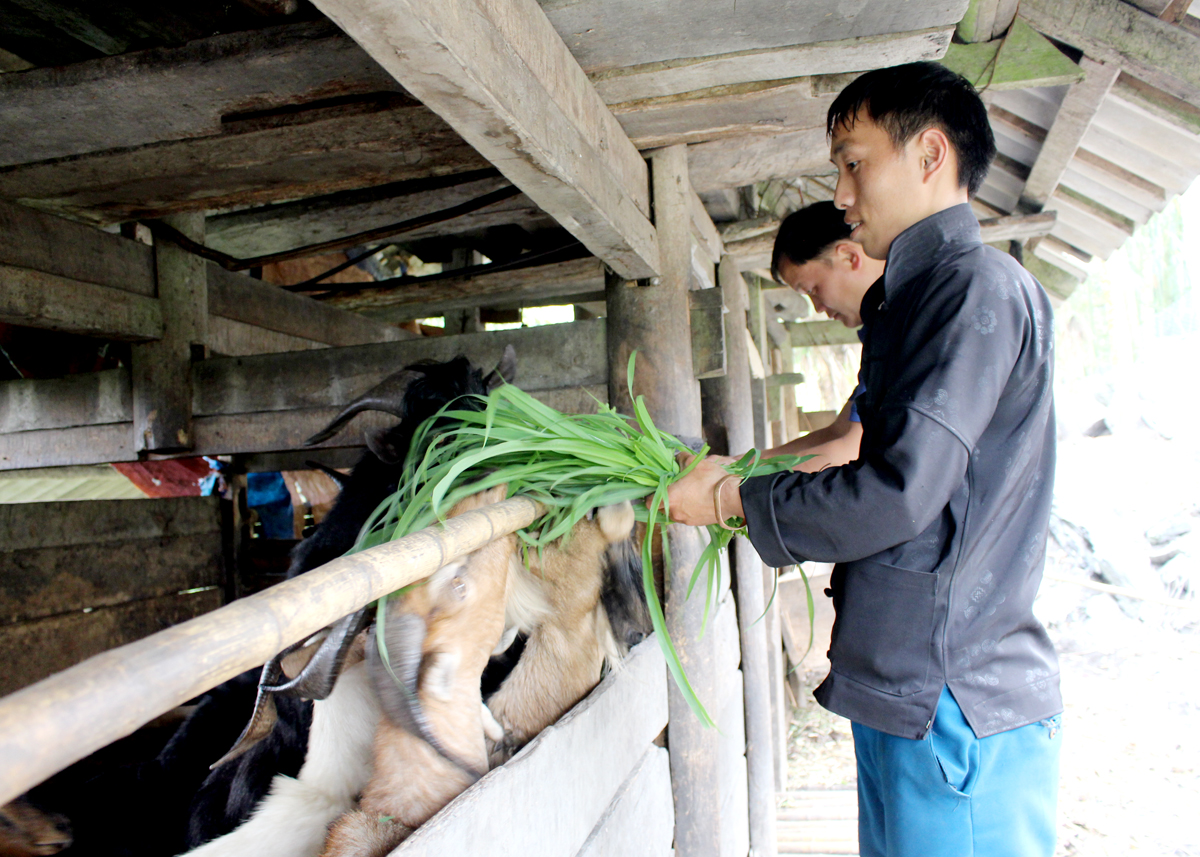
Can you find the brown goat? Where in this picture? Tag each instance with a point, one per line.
(570, 636)
(26, 831)
(429, 749)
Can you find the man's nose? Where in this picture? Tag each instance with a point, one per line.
(843, 197)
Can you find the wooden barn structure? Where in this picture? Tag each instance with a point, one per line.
(168, 176)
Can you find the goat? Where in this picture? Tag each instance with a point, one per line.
(414, 394)
(431, 746)
(581, 589)
(462, 608)
(26, 831)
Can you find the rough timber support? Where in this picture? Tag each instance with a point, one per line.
(653, 320)
(162, 370)
(727, 400)
(501, 76)
(1074, 117)
(1156, 51)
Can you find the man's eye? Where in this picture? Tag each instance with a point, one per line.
(851, 164)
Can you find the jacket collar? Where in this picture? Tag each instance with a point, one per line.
(918, 248)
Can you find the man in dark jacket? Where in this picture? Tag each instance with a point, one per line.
(939, 526)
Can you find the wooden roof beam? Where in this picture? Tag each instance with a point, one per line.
(500, 75)
(655, 79)
(1160, 53)
(1074, 117)
(986, 20)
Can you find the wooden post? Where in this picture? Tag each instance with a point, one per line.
(771, 627)
(162, 370)
(654, 320)
(727, 401)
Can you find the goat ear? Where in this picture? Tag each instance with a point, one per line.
(383, 449)
(386, 396)
(505, 371)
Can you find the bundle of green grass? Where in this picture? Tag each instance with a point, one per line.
(571, 464)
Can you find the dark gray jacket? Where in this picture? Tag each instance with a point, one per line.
(939, 527)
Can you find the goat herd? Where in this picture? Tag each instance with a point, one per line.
(350, 749)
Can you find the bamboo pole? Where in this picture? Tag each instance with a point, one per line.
(49, 725)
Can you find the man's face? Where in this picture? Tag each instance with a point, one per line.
(833, 283)
(880, 189)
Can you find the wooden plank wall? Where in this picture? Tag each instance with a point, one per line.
(78, 578)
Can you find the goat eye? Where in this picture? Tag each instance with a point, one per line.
(459, 586)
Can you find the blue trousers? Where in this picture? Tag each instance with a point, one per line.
(954, 795)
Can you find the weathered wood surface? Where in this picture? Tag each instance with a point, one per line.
(67, 556)
(51, 302)
(1165, 106)
(735, 810)
(672, 77)
(706, 236)
(607, 34)
(249, 301)
(500, 76)
(740, 161)
(1022, 58)
(33, 650)
(564, 779)
(548, 357)
(282, 226)
(1158, 52)
(31, 239)
(728, 403)
(707, 314)
(1075, 116)
(66, 446)
(985, 20)
(161, 370)
(761, 108)
(91, 398)
(173, 93)
(640, 821)
(45, 727)
(577, 276)
(228, 338)
(806, 334)
(253, 162)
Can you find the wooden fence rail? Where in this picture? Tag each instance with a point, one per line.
(49, 725)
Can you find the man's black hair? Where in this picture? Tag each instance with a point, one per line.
(907, 99)
(807, 234)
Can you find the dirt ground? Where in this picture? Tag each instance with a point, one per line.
(1130, 769)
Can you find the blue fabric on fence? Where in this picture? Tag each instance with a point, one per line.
(267, 494)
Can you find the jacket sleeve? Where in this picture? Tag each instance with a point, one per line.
(968, 331)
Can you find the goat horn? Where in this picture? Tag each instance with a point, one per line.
(386, 396)
(262, 721)
(397, 686)
(321, 673)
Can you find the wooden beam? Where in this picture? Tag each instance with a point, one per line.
(704, 231)
(1075, 115)
(252, 162)
(986, 20)
(178, 92)
(38, 299)
(49, 725)
(162, 370)
(1161, 104)
(1016, 227)
(740, 161)
(419, 300)
(89, 398)
(608, 34)
(245, 300)
(672, 77)
(1158, 52)
(764, 108)
(315, 219)
(548, 357)
(1022, 58)
(808, 334)
(500, 75)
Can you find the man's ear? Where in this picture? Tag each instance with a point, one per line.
(934, 150)
(849, 254)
